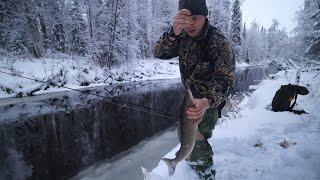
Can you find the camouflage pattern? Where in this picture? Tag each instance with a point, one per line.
(207, 67)
(207, 64)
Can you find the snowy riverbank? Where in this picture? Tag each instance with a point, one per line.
(248, 145)
(76, 73)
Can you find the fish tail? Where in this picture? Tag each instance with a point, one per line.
(171, 165)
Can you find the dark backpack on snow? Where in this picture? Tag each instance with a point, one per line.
(283, 97)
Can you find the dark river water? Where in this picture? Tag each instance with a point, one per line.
(54, 137)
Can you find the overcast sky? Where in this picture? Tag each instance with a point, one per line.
(263, 11)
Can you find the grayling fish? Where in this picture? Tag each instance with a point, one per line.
(187, 131)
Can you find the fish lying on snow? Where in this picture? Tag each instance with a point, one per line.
(187, 131)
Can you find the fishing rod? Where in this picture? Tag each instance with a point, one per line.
(124, 104)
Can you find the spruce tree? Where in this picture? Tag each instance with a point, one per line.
(236, 18)
(58, 28)
(77, 29)
(235, 29)
(244, 48)
(244, 33)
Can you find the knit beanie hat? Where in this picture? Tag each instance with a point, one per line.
(197, 7)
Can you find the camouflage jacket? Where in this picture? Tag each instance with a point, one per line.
(207, 64)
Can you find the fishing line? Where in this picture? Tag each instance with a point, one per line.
(124, 104)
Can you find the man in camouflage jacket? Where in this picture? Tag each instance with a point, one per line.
(207, 66)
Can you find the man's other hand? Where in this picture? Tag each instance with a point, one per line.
(196, 112)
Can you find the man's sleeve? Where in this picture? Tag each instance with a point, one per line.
(214, 79)
(165, 48)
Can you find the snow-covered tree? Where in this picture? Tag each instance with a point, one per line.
(44, 23)
(142, 29)
(254, 44)
(97, 19)
(108, 32)
(219, 14)
(162, 14)
(235, 28)
(2, 23)
(307, 30)
(264, 39)
(244, 49)
(58, 27)
(76, 27)
(19, 27)
(277, 39)
(244, 33)
(236, 23)
(314, 43)
(11, 28)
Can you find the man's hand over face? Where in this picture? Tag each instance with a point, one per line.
(182, 20)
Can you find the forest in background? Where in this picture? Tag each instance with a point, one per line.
(111, 32)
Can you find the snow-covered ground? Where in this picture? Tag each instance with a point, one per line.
(248, 145)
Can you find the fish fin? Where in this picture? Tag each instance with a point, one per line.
(171, 165)
(146, 173)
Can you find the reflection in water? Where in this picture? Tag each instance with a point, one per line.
(55, 138)
(251, 76)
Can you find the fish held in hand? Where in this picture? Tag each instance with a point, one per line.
(187, 131)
